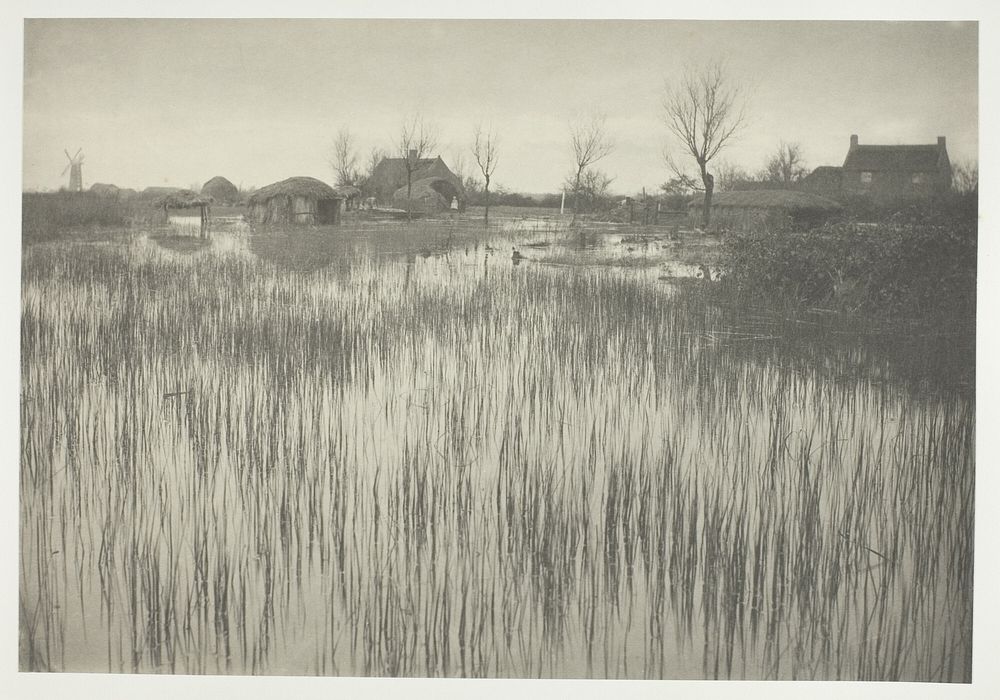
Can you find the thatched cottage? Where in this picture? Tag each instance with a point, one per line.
(885, 173)
(745, 208)
(297, 200)
(389, 177)
(221, 190)
(429, 194)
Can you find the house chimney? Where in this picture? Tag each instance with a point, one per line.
(413, 154)
(854, 140)
(940, 141)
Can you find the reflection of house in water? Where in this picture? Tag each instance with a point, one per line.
(301, 251)
(185, 245)
(885, 173)
(297, 200)
(432, 188)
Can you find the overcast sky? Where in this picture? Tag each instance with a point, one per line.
(176, 102)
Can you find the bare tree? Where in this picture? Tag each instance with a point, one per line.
(484, 150)
(592, 189)
(730, 177)
(416, 139)
(367, 180)
(965, 176)
(704, 110)
(786, 165)
(344, 159)
(590, 144)
(459, 165)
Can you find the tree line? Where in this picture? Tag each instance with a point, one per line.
(704, 111)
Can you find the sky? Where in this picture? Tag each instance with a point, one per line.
(176, 102)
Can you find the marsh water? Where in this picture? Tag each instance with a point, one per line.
(366, 455)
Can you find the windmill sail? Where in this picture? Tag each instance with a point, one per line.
(75, 168)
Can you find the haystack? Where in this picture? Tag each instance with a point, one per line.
(297, 200)
(102, 189)
(221, 190)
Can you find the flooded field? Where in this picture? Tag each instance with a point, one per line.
(359, 455)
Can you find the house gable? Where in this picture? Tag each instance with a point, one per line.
(885, 173)
(390, 174)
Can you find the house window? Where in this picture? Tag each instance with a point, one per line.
(866, 178)
(919, 178)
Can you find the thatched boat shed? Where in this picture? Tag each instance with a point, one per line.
(297, 200)
(744, 208)
(221, 190)
(185, 199)
(351, 195)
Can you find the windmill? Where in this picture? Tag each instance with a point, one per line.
(75, 167)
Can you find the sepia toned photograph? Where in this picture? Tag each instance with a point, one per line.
(498, 349)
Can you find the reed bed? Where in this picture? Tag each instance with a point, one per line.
(455, 466)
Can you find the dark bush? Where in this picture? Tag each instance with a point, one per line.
(917, 261)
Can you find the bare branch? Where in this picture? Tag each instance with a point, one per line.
(416, 140)
(590, 143)
(704, 111)
(484, 150)
(344, 160)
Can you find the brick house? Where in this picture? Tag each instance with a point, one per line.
(885, 173)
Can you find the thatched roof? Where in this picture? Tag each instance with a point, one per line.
(437, 188)
(221, 189)
(348, 191)
(825, 179)
(159, 191)
(390, 174)
(787, 200)
(104, 190)
(907, 159)
(182, 199)
(295, 187)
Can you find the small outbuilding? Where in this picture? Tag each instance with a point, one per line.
(297, 200)
(351, 195)
(221, 190)
(185, 199)
(743, 209)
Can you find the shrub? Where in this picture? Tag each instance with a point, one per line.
(916, 261)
